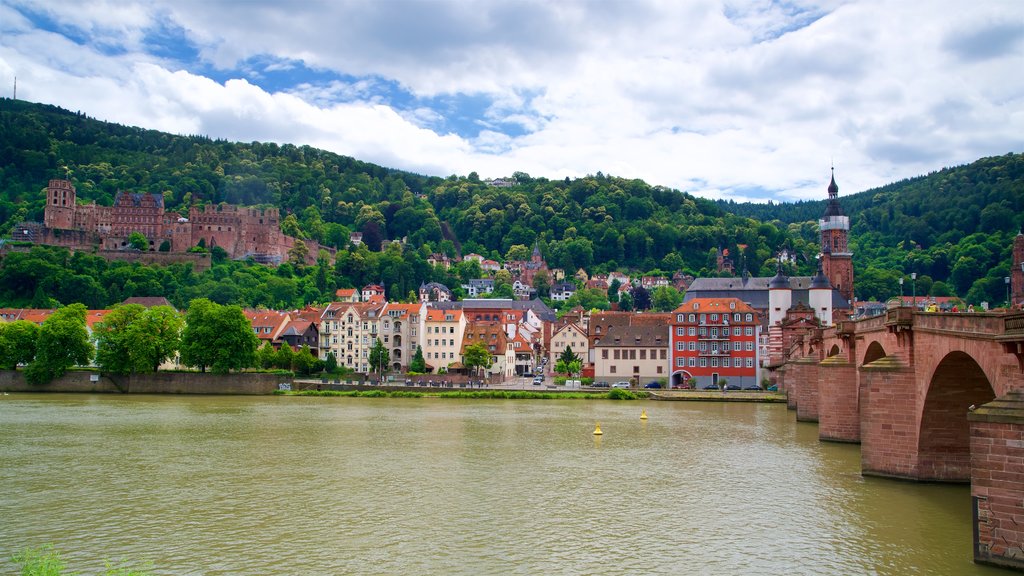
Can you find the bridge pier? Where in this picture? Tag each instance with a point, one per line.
(889, 429)
(997, 481)
(838, 401)
(805, 372)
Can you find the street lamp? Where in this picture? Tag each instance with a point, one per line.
(913, 279)
(1007, 281)
(901, 291)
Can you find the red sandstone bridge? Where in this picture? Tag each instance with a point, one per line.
(930, 397)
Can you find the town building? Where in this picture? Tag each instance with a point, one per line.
(492, 336)
(442, 341)
(571, 336)
(401, 331)
(836, 258)
(714, 339)
(349, 330)
(434, 292)
(562, 291)
(635, 354)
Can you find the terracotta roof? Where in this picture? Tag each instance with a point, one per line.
(714, 305)
(94, 316)
(436, 315)
(36, 315)
(345, 292)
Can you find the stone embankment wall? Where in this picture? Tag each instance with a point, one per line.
(158, 383)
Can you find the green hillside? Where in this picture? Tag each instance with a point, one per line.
(600, 223)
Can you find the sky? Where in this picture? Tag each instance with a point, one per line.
(745, 100)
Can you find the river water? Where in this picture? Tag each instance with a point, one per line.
(296, 485)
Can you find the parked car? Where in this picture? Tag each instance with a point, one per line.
(538, 380)
(752, 388)
(601, 384)
(732, 387)
(773, 388)
(711, 387)
(620, 385)
(652, 385)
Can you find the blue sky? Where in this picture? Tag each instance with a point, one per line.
(748, 100)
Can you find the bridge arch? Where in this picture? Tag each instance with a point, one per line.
(873, 352)
(835, 350)
(957, 383)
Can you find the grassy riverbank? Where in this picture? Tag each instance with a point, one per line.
(485, 394)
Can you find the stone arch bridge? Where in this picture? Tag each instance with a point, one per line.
(929, 397)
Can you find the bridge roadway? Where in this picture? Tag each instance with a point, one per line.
(929, 397)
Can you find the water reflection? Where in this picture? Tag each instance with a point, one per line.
(236, 485)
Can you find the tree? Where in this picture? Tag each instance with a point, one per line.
(298, 253)
(568, 356)
(284, 358)
(63, 342)
(476, 356)
(626, 302)
(115, 344)
(138, 241)
(217, 337)
(517, 252)
(331, 363)
(17, 343)
(666, 298)
(641, 298)
(266, 355)
(304, 360)
(418, 364)
(156, 336)
(542, 283)
(379, 357)
(613, 290)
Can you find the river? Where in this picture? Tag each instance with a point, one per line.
(299, 485)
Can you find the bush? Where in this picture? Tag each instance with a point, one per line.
(621, 394)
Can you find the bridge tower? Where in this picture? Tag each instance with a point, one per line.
(836, 258)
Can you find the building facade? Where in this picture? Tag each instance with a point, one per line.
(714, 339)
(637, 354)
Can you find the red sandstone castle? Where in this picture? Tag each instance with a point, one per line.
(241, 232)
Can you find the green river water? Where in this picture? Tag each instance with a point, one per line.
(298, 485)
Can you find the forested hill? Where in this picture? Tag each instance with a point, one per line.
(955, 226)
(597, 222)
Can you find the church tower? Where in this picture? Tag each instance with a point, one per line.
(836, 258)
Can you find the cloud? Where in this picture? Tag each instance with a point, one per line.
(721, 98)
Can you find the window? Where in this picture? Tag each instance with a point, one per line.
(604, 354)
(750, 362)
(703, 331)
(749, 331)
(736, 317)
(680, 362)
(693, 317)
(663, 353)
(703, 346)
(692, 362)
(750, 346)
(725, 362)
(714, 332)
(714, 362)
(703, 362)
(679, 317)
(693, 346)
(714, 317)
(737, 331)
(680, 331)
(643, 354)
(612, 369)
(680, 346)
(750, 317)
(703, 318)
(632, 354)
(692, 331)
(617, 354)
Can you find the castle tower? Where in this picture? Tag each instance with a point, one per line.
(836, 258)
(60, 205)
(1017, 270)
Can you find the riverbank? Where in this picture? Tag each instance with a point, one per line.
(717, 396)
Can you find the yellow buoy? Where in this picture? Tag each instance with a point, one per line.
(597, 429)
(643, 414)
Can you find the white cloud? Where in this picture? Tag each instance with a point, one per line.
(718, 98)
